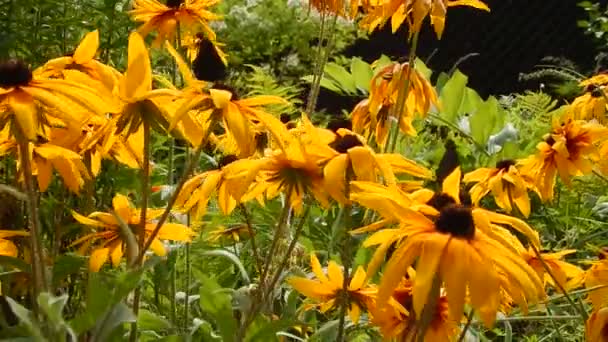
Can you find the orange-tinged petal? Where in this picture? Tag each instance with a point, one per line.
(451, 184)
(334, 273)
(426, 269)
(122, 207)
(8, 248)
(25, 112)
(98, 257)
(316, 268)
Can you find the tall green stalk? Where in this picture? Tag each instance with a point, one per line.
(397, 110)
(36, 243)
(145, 177)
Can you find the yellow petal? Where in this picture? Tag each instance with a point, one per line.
(451, 184)
(334, 273)
(122, 207)
(221, 98)
(310, 288)
(8, 248)
(334, 176)
(87, 49)
(316, 268)
(137, 80)
(23, 106)
(426, 269)
(98, 257)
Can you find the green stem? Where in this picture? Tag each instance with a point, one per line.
(254, 248)
(38, 258)
(324, 57)
(165, 215)
(463, 333)
(346, 263)
(277, 236)
(559, 334)
(187, 287)
(142, 220)
(402, 95)
(108, 49)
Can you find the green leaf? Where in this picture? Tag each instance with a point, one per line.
(15, 263)
(341, 76)
(328, 332)
(217, 303)
(452, 96)
(26, 320)
(362, 74)
(423, 69)
(484, 121)
(442, 79)
(113, 319)
(66, 265)
(148, 320)
(262, 329)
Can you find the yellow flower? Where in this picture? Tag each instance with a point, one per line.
(326, 291)
(596, 327)
(7, 247)
(194, 196)
(592, 104)
(221, 104)
(135, 90)
(396, 321)
(335, 7)
(45, 157)
(371, 116)
(235, 233)
(164, 19)
(82, 60)
(26, 99)
(357, 161)
(463, 256)
(295, 171)
(108, 241)
(413, 12)
(507, 185)
(568, 150)
(562, 270)
(597, 275)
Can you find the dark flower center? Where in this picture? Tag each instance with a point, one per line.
(441, 200)
(457, 221)
(549, 140)
(335, 124)
(261, 141)
(223, 86)
(505, 164)
(174, 3)
(343, 144)
(225, 160)
(14, 73)
(285, 118)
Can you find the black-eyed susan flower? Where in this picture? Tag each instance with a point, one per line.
(396, 320)
(371, 117)
(294, 170)
(592, 104)
(45, 157)
(197, 191)
(413, 13)
(135, 91)
(464, 257)
(596, 327)
(357, 161)
(597, 276)
(567, 151)
(8, 247)
(188, 14)
(108, 241)
(82, 60)
(28, 100)
(220, 104)
(507, 185)
(326, 291)
(564, 272)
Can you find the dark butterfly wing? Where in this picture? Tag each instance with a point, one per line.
(208, 65)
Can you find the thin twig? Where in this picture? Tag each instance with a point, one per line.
(254, 248)
(463, 333)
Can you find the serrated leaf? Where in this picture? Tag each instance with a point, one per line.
(362, 74)
(452, 95)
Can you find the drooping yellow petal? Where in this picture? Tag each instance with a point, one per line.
(451, 184)
(98, 257)
(26, 115)
(122, 207)
(426, 269)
